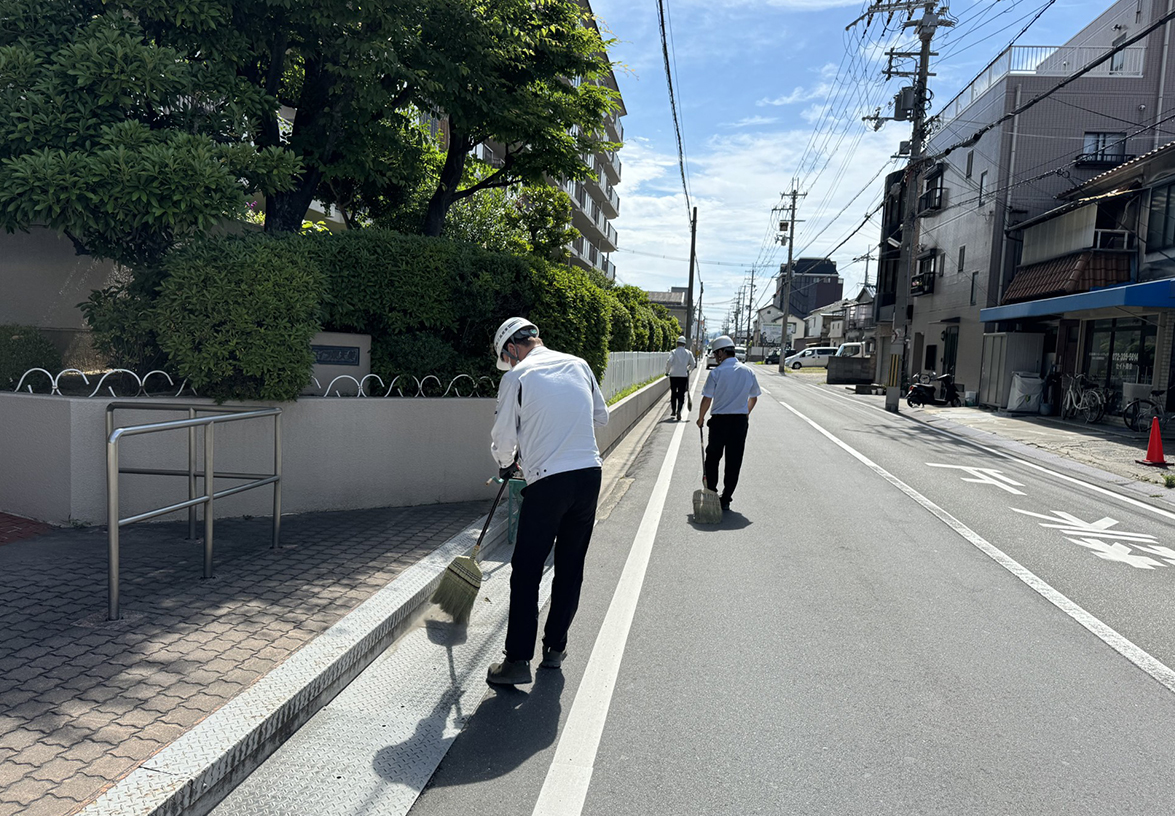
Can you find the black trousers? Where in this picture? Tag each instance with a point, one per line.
(677, 389)
(728, 436)
(557, 511)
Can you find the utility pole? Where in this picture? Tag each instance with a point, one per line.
(689, 296)
(909, 104)
(867, 257)
(750, 306)
(787, 231)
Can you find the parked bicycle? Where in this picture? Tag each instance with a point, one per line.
(1082, 396)
(1138, 414)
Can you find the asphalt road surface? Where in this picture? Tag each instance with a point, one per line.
(890, 620)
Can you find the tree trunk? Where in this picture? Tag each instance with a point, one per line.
(442, 197)
(284, 212)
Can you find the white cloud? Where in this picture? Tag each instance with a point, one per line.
(798, 95)
(752, 121)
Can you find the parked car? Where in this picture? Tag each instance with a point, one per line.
(851, 350)
(772, 357)
(740, 353)
(814, 357)
(710, 360)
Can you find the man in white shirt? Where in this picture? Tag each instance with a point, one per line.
(548, 406)
(733, 390)
(681, 362)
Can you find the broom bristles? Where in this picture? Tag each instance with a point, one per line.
(707, 506)
(457, 591)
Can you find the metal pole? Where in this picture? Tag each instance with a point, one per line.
(689, 297)
(277, 486)
(209, 497)
(191, 475)
(111, 525)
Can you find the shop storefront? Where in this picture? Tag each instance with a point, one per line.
(1120, 351)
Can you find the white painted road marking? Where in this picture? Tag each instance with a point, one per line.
(565, 788)
(1112, 638)
(986, 476)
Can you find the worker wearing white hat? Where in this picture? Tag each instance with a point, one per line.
(732, 390)
(677, 368)
(548, 406)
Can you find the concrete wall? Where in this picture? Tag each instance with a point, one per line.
(850, 370)
(338, 454)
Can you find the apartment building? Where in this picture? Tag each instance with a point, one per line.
(972, 201)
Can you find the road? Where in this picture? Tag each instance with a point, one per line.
(890, 620)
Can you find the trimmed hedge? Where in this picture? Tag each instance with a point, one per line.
(22, 348)
(236, 315)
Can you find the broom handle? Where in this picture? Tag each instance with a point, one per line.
(702, 443)
(489, 518)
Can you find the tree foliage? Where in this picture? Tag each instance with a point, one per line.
(118, 138)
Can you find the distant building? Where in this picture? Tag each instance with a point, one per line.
(815, 283)
(674, 301)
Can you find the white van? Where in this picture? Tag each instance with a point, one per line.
(814, 357)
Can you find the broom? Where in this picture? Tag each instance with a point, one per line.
(461, 582)
(707, 505)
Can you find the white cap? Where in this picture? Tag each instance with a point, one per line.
(720, 342)
(506, 332)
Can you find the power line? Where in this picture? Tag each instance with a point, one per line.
(673, 104)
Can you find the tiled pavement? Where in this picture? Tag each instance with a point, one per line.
(84, 701)
(15, 528)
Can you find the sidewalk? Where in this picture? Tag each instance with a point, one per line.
(84, 701)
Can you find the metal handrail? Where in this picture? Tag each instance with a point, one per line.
(114, 522)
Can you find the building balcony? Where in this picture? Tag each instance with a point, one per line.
(603, 193)
(614, 128)
(1046, 61)
(1106, 160)
(594, 226)
(922, 284)
(611, 165)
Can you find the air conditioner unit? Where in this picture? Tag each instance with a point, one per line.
(903, 148)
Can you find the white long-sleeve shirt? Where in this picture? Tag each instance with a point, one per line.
(548, 407)
(681, 362)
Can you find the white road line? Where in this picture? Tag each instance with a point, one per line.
(565, 788)
(1112, 638)
(1158, 511)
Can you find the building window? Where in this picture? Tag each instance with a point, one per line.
(928, 264)
(982, 186)
(1108, 148)
(974, 284)
(962, 257)
(970, 162)
(1160, 228)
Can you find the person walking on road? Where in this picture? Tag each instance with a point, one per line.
(548, 406)
(681, 362)
(732, 390)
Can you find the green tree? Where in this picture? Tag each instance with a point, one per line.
(118, 138)
(526, 78)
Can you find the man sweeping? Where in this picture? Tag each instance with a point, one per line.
(681, 362)
(732, 390)
(548, 406)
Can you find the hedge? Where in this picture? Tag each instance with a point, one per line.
(235, 315)
(22, 348)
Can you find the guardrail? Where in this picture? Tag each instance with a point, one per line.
(114, 521)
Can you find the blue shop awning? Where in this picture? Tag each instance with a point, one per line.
(1158, 294)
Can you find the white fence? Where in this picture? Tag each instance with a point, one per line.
(628, 368)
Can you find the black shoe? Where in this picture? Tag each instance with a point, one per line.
(552, 659)
(725, 504)
(510, 673)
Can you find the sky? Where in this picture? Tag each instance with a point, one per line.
(769, 96)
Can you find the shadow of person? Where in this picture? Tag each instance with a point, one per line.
(731, 520)
(508, 728)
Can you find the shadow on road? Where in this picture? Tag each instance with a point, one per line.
(731, 520)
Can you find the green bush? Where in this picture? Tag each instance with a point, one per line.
(236, 315)
(622, 335)
(573, 314)
(22, 348)
(122, 328)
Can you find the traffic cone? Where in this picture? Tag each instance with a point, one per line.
(1154, 450)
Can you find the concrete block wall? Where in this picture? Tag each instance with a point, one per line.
(338, 454)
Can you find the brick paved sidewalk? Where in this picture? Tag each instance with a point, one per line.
(84, 701)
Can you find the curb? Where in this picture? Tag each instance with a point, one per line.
(195, 772)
